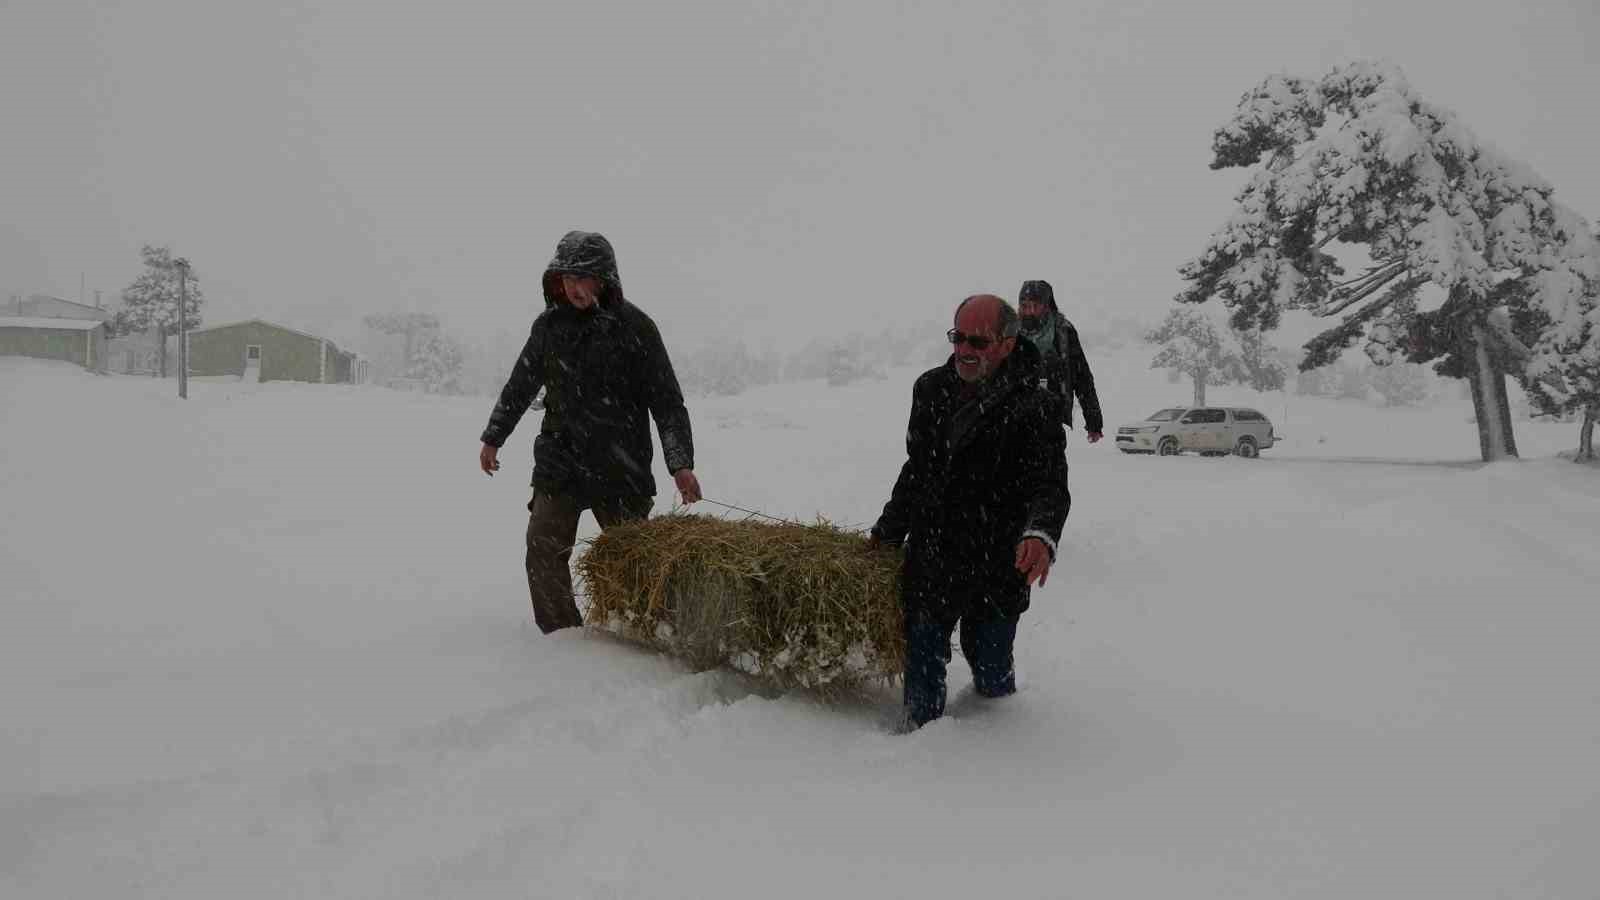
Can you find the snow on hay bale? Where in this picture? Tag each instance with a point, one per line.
(798, 605)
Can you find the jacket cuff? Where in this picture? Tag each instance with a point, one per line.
(492, 437)
(883, 535)
(1049, 542)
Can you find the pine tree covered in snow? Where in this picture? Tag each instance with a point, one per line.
(1358, 158)
(1193, 346)
(1572, 385)
(152, 300)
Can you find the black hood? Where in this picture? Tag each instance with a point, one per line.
(583, 253)
(1038, 290)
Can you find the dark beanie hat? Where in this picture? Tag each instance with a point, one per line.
(1039, 291)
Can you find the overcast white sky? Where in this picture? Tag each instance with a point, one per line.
(774, 170)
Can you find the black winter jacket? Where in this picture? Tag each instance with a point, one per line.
(603, 371)
(1067, 371)
(1066, 368)
(980, 475)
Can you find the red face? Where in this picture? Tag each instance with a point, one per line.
(582, 291)
(982, 322)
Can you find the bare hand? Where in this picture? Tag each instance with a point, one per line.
(873, 542)
(1033, 560)
(688, 485)
(1095, 436)
(489, 460)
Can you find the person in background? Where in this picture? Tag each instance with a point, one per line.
(1066, 368)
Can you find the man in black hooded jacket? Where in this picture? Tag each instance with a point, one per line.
(979, 504)
(1066, 367)
(604, 369)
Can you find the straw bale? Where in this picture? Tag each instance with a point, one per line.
(798, 605)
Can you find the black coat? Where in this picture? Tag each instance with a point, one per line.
(1066, 368)
(604, 371)
(1067, 371)
(980, 475)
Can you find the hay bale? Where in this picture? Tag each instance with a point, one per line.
(799, 605)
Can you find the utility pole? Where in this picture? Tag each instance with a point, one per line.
(182, 265)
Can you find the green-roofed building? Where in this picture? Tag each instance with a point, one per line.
(81, 341)
(258, 350)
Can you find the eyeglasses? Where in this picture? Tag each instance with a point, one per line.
(975, 341)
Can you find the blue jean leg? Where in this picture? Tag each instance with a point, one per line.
(927, 656)
(987, 646)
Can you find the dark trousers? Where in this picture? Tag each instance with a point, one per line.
(552, 530)
(986, 642)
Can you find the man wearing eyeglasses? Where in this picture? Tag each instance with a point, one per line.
(1066, 366)
(604, 370)
(979, 504)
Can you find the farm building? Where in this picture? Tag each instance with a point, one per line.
(128, 354)
(44, 306)
(258, 350)
(81, 341)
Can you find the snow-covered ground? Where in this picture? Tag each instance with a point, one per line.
(274, 641)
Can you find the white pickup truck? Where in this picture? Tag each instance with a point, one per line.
(1215, 430)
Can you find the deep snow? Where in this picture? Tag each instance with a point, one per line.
(274, 642)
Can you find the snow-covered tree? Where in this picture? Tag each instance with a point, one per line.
(1591, 415)
(1400, 384)
(839, 360)
(431, 359)
(725, 367)
(1263, 371)
(414, 327)
(1192, 345)
(436, 363)
(152, 300)
(1319, 382)
(1573, 393)
(1350, 383)
(1357, 158)
(1571, 387)
(845, 364)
